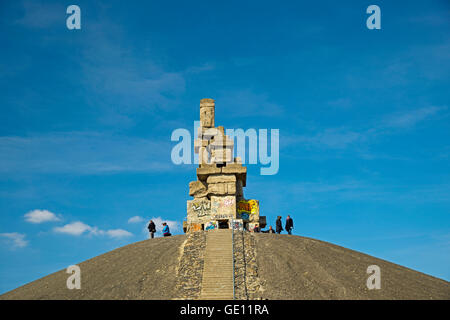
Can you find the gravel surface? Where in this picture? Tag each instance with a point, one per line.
(142, 270)
(287, 267)
(294, 267)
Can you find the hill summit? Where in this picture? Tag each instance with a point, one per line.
(266, 266)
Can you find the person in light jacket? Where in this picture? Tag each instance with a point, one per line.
(166, 231)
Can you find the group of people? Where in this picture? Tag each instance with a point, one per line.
(152, 229)
(279, 226)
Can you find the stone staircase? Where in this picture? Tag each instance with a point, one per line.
(217, 279)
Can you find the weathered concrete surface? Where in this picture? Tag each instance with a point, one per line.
(220, 189)
(207, 113)
(294, 267)
(248, 285)
(197, 189)
(190, 267)
(199, 210)
(205, 170)
(223, 207)
(142, 270)
(221, 178)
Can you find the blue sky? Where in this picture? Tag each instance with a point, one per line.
(87, 115)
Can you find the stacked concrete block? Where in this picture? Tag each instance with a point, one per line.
(207, 107)
(223, 207)
(199, 210)
(198, 189)
(220, 177)
(221, 149)
(213, 146)
(221, 184)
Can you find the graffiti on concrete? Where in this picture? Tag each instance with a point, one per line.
(244, 215)
(202, 208)
(223, 206)
(246, 208)
(211, 225)
(222, 216)
(228, 202)
(238, 225)
(195, 227)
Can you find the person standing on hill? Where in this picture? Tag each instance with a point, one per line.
(166, 231)
(279, 225)
(289, 225)
(151, 228)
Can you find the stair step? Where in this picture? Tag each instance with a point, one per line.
(217, 277)
(218, 290)
(213, 273)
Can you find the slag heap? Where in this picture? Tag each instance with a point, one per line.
(218, 192)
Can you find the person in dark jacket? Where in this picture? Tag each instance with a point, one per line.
(270, 230)
(289, 224)
(152, 229)
(279, 225)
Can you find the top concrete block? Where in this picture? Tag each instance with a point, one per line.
(207, 103)
(207, 117)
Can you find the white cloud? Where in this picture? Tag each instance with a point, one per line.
(17, 239)
(135, 219)
(78, 228)
(118, 233)
(174, 226)
(411, 118)
(74, 228)
(39, 216)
